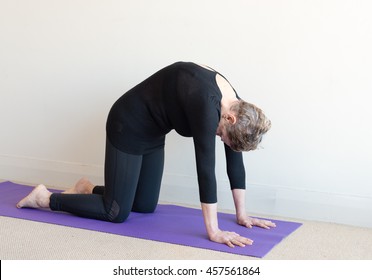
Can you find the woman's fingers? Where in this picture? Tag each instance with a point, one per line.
(233, 239)
(250, 222)
(262, 223)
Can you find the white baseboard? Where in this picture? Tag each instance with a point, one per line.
(279, 201)
(52, 173)
(265, 200)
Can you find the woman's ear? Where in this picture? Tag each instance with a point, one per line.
(231, 118)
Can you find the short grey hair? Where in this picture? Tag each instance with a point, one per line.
(251, 124)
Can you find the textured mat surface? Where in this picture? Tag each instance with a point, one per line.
(170, 223)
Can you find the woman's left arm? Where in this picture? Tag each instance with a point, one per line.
(236, 174)
(241, 216)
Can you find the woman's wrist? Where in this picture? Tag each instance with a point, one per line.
(210, 218)
(239, 202)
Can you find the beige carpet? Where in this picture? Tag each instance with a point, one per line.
(21, 239)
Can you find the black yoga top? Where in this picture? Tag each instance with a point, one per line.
(183, 96)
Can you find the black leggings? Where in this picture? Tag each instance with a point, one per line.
(132, 183)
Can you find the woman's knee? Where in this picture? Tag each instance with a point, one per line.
(117, 214)
(120, 217)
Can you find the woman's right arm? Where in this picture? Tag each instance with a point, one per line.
(229, 238)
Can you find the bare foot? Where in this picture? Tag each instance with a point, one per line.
(38, 198)
(83, 186)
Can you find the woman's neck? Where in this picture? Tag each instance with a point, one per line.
(228, 93)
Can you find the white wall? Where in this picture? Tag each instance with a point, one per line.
(306, 63)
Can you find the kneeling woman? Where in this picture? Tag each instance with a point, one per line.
(197, 102)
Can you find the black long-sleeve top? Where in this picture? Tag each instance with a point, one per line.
(183, 96)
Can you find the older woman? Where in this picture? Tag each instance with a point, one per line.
(197, 102)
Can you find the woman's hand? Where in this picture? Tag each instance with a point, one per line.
(242, 218)
(249, 222)
(231, 239)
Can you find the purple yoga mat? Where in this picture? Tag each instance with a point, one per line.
(169, 223)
